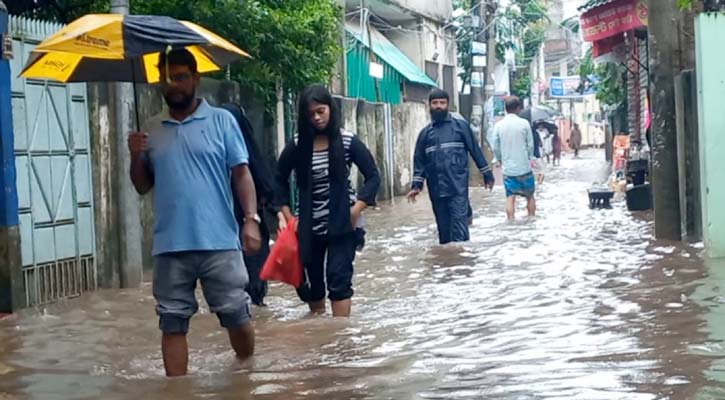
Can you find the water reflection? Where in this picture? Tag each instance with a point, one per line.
(575, 304)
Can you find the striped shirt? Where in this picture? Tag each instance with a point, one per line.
(321, 185)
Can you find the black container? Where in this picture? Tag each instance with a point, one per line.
(600, 197)
(637, 171)
(639, 198)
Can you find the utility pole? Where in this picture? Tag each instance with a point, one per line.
(478, 72)
(339, 82)
(130, 232)
(343, 59)
(664, 63)
(490, 87)
(367, 36)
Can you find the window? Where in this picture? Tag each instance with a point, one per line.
(431, 69)
(449, 79)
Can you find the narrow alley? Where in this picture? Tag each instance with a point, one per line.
(577, 304)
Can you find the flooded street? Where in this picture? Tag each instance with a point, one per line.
(576, 304)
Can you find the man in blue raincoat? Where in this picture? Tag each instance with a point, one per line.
(441, 159)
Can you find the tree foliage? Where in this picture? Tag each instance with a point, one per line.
(520, 26)
(464, 40)
(703, 5)
(611, 85)
(295, 42)
(522, 86)
(62, 11)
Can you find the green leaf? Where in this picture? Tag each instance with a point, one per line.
(297, 42)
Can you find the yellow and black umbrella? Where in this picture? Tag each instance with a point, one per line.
(124, 48)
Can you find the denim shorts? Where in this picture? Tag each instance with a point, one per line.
(223, 278)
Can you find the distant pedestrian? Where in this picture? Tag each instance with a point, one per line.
(264, 186)
(556, 148)
(188, 158)
(330, 212)
(547, 142)
(538, 166)
(513, 147)
(441, 159)
(575, 141)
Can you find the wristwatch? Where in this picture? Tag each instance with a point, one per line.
(256, 218)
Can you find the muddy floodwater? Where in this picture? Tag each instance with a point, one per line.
(576, 304)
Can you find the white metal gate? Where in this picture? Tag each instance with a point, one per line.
(52, 156)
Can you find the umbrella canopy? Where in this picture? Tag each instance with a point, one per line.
(538, 113)
(551, 127)
(124, 48)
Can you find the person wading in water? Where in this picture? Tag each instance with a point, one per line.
(441, 160)
(330, 212)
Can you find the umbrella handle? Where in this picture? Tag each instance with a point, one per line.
(135, 106)
(135, 94)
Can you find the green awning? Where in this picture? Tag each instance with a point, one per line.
(388, 52)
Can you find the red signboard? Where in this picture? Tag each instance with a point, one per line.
(608, 45)
(613, 18)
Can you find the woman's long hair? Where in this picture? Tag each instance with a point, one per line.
(306, 136)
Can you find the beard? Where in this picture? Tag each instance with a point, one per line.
(438, 115)
(179, 101)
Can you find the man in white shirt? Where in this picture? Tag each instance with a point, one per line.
(513, 148)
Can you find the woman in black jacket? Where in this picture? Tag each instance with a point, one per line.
(330, 223)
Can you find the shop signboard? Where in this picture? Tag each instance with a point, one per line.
(613, 18)
(569, 87)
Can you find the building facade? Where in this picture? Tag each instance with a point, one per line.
(416, 33)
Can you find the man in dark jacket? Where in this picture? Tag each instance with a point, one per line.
(441, 159)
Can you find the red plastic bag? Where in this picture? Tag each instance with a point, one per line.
(284, 263)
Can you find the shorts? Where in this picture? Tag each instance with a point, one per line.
(524, 185)
(223, 277)
(331, 268)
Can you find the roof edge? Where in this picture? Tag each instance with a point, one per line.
(592, 4)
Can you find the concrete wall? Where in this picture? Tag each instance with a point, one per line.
(423, 46)
(408, 120)
(12, 288)
(104, 161)
(429, 45)
(710, 28)
(440, 10)
(409, 43)
(370, 131)
(688, 156)
(367, 120)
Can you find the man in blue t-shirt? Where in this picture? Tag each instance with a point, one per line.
(188, 158)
